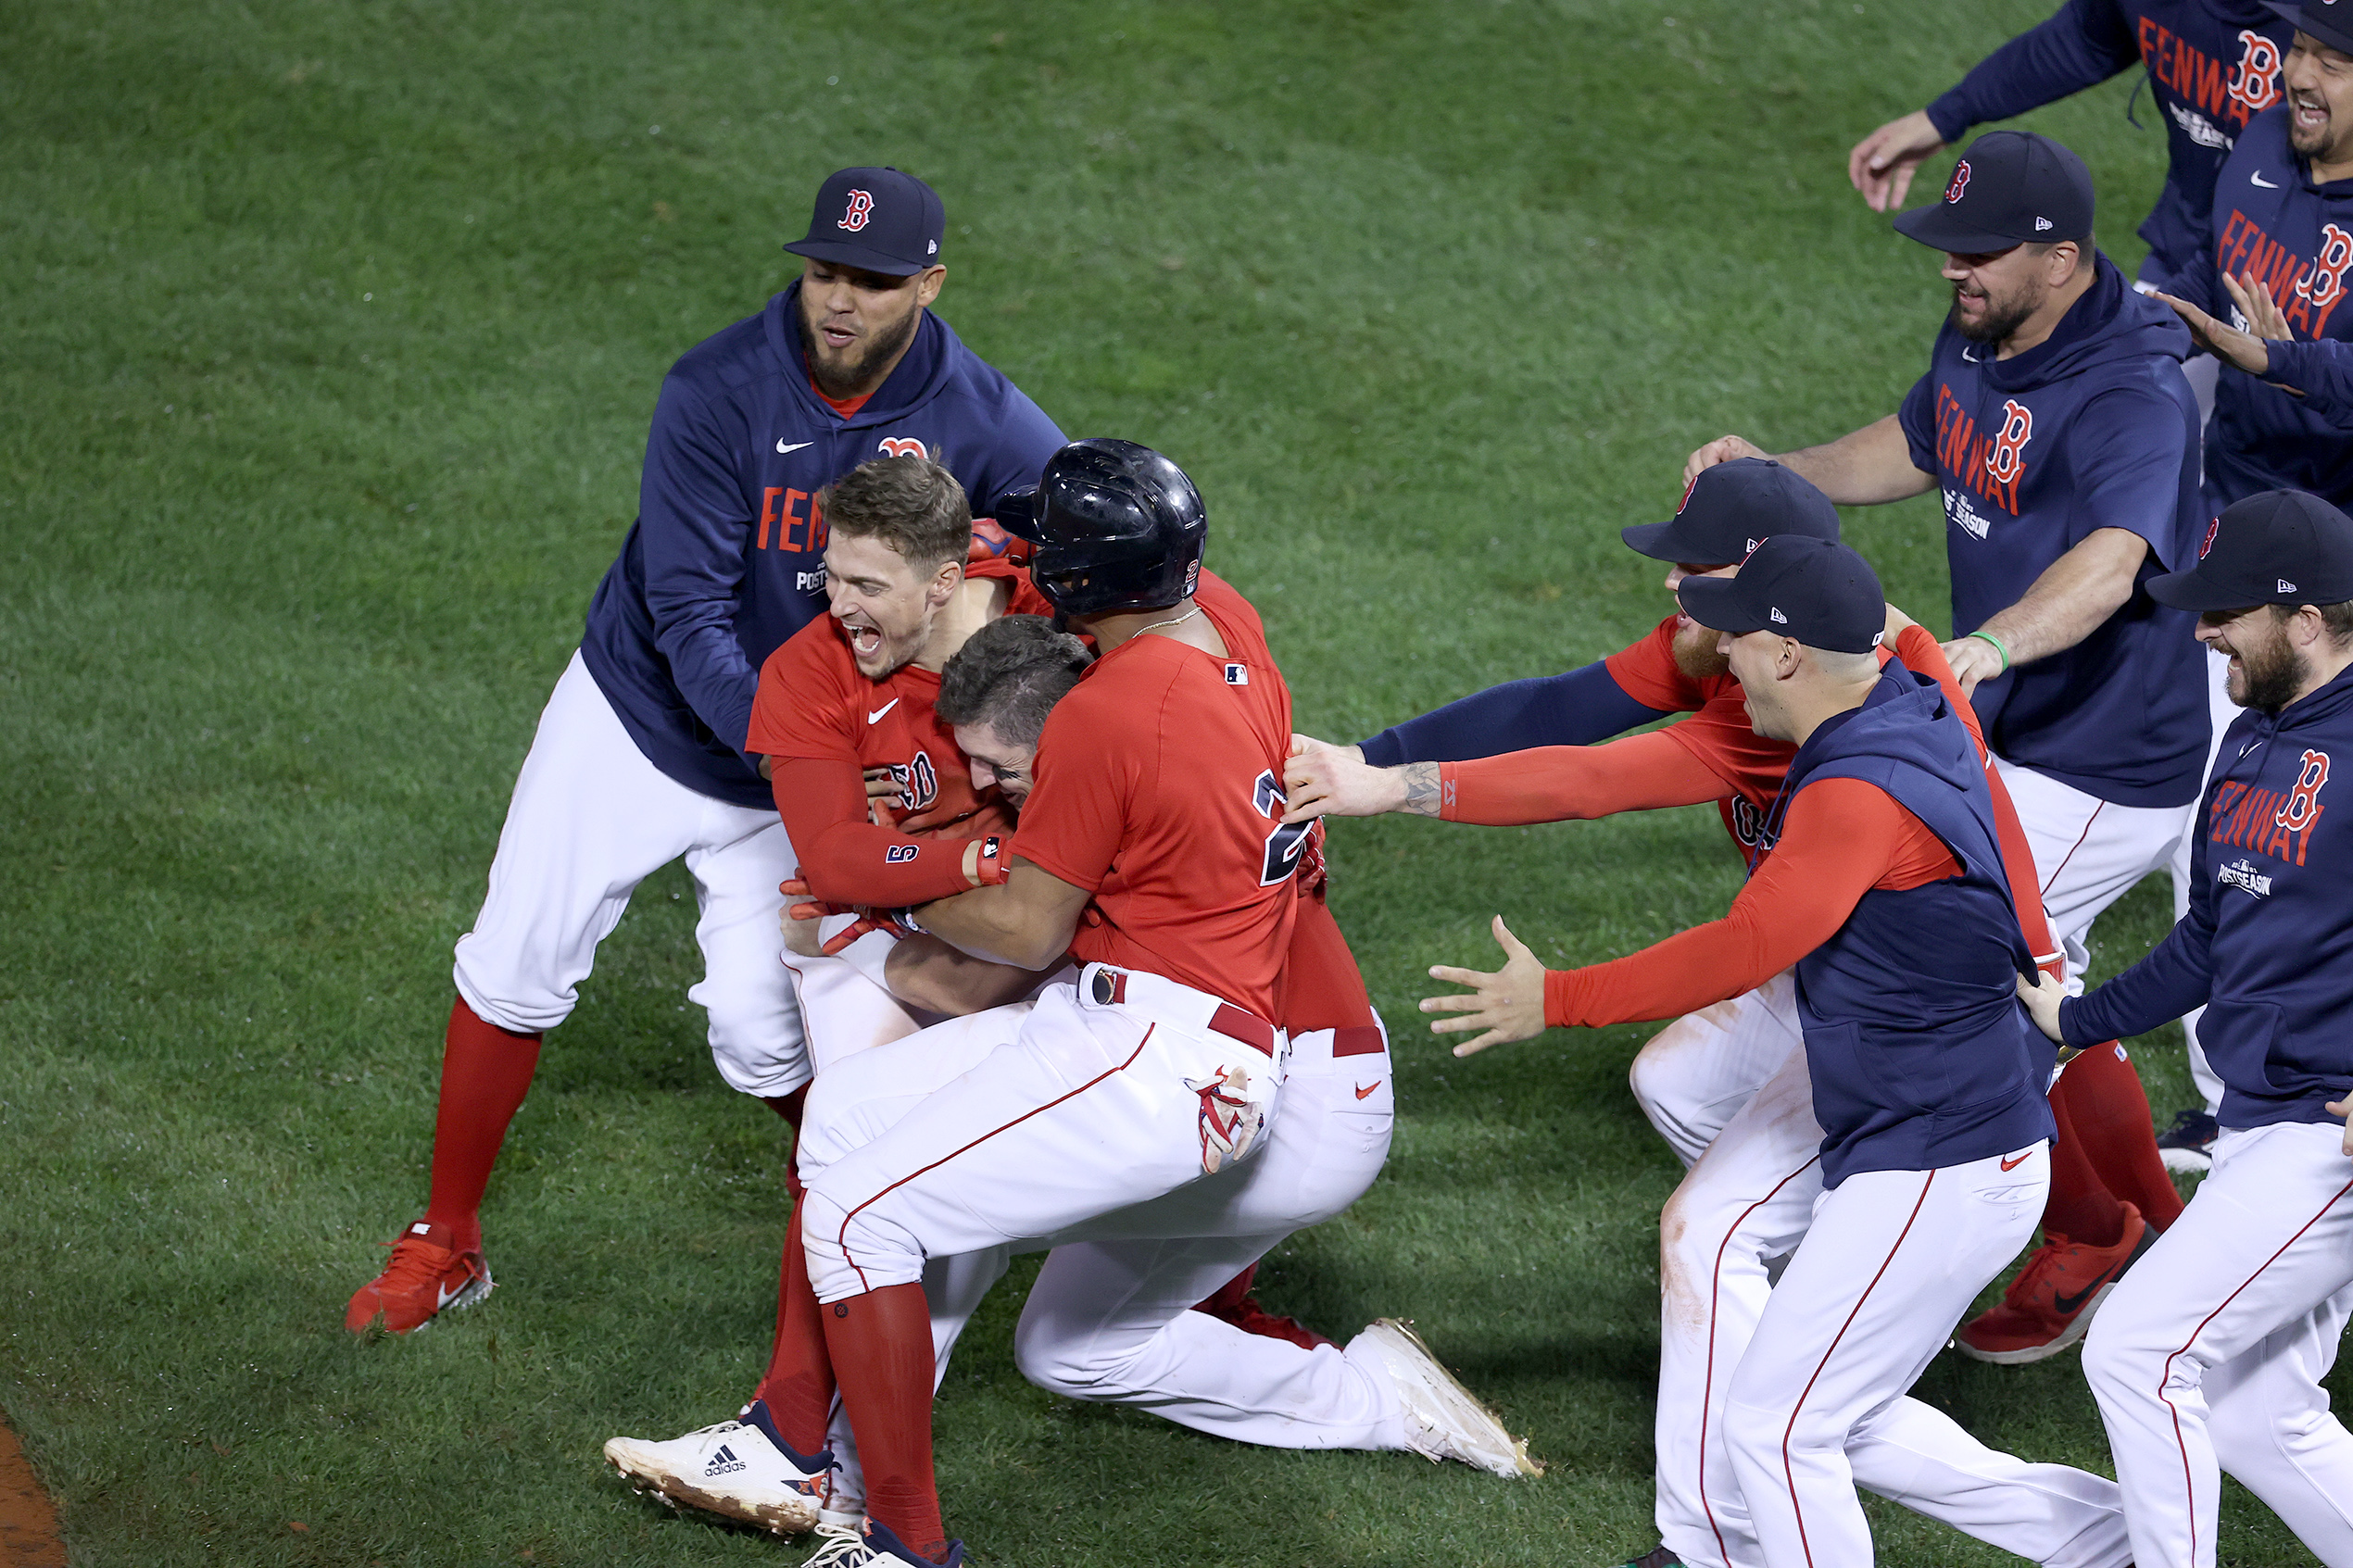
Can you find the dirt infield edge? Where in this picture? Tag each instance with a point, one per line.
(29, 1536)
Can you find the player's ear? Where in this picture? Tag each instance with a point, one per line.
(928, 285)
(945, 582)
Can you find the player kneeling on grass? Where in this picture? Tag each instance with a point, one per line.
(1880, 875)
(1139, 1116)
(2211, 1360)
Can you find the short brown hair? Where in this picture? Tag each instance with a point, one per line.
(2337, 619)
(911, 504)
(1009, 675)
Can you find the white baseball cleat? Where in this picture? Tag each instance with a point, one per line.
(1443, 1420)
(733, 1470)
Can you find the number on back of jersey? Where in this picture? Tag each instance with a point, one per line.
(1283, 846)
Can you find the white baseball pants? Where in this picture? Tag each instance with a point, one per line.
(845, 1006)
(2208, 1356)
(591, 819)
(1109, 1319)
(1693, 1075)
(1754, 1195)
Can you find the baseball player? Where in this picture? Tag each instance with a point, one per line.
(642, 755)
(1137, 1115)
(1717, 1234)
(1880, 877)
(2211, 1361)
(2054, 421)
(995, 692)
(2108, 1182)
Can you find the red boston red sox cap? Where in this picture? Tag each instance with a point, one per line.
(876, 218)
(2010, 188)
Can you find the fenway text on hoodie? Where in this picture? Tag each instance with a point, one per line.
(2093, 428)
(2297, 237)
(2213, 64)
(2267, 946)
(726, 559)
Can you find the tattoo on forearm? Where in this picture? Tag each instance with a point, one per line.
(1421, 788)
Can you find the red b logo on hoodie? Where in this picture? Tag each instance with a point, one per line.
(2008, 456)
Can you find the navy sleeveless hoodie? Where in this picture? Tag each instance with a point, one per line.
(1921, 1054)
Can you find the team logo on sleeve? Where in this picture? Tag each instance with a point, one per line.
(1960, 182)
(2255, 81)
(903, 447)
(861, 207)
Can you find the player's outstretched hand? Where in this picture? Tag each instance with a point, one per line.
(2233, 345)
(800, 914)
(2041, 1000)
(1723, 449)
(1508, 1004)
(1883, 163)
(1324, 780)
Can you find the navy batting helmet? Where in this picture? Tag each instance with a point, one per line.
(1117, 526)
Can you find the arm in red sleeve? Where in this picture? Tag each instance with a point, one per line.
(1557, 783)
(844, 857)
(1921, 652)
(1841, 838)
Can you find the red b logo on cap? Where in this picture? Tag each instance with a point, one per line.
(862, 206)
(2211, 529)
(1960, 182)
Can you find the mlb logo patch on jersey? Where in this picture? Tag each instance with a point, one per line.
(1237, 674)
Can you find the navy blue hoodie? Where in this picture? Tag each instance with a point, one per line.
(2213, 64)
(2268, 942)
(726, 560)
(1919, 1053)
(2297, 237)
(2093, 428)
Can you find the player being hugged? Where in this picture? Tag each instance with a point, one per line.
(1132, 1102)
(1879, 877)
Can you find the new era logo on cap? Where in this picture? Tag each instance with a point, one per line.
(2286, 586)
(2041, 224)
(1778, 618)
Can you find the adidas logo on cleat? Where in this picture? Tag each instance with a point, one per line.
(724, 1462)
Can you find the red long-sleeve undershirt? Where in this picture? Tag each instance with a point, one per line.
(1559, 784)
(1840, 839)
(846, 858)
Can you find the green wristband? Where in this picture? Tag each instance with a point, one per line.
(1996, 644)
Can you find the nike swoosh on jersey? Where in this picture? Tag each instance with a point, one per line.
(1367, 1091)
(796, 447)
(2257, 177)
(1967, 355)
(878, 712)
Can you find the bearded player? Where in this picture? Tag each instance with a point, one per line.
(643, 756)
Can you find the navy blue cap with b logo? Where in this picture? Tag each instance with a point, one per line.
(1815, 590)
(2278, 548)
(879, 220)
(2330, 21)
(1730, 510)
(2010, 188)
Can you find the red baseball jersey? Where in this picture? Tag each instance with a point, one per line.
(1159, 790)
(822, 724)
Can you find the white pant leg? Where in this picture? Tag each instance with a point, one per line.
(1691, 1076)
(2221, 713)
(1748, 1200)
(844, 1012)
(1892, 1262)
(1110, 1318)
(590, 819)
(2088, 851)
(2212, 1360)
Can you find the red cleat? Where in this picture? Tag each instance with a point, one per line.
(1235, 1304)
(423, 1276)
(2049, 1305)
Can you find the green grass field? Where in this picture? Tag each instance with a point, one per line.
(331, 332)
